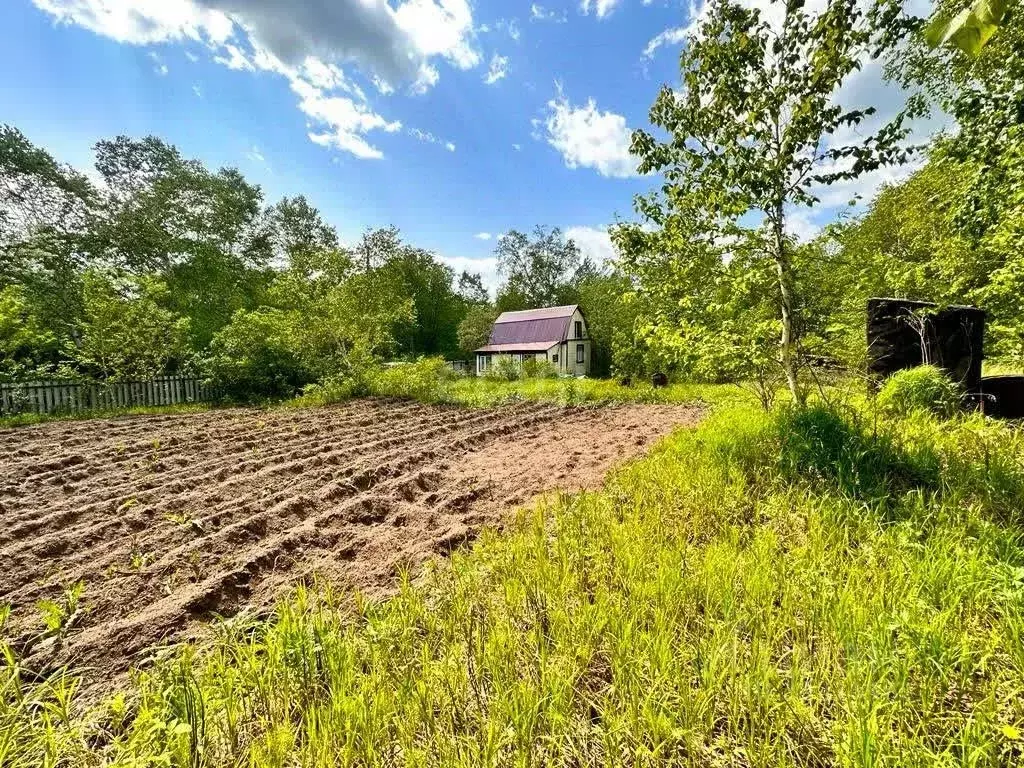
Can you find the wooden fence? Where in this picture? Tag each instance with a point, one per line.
(69, 396)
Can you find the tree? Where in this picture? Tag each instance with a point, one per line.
(538, 272)
(756, 130)
(471, 290)
(475, 328)
(127, 330)
(27, 346)
(47, 210)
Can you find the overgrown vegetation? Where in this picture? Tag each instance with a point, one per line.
(813, 586)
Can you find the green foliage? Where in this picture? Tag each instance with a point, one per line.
(170, 264)
(27, 346)
(539, 271)
(253, 358)
(505, 368)
(923, 388)
(970, 29)
(753, 132)
(126, 329)
(475, 329)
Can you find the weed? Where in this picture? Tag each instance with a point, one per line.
(59, 615)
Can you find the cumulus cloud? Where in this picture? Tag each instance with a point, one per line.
(304, 41)
(497, 70)
(343, 121)
(588, 138)
(593, 242)
(482, 235)
(390, 43)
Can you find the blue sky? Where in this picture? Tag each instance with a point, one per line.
(449, 119)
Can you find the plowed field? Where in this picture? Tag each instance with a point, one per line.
(169, 520)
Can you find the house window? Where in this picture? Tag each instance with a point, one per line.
(554, 358)
(579, 353)
(579, 330)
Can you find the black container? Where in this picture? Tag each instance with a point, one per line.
(904, 334)
(1003, 396)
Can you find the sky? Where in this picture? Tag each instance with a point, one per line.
(454, 121)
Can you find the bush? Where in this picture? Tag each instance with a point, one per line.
(924, 388)
(539, 369)
(428, 380)
(251, 359)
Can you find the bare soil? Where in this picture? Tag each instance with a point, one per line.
(171, 520)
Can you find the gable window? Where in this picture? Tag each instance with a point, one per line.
(579, 329)
(579, 353)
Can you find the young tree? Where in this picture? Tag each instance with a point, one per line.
(756, 130)
(475, 328)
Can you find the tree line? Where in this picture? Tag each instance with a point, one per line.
(157, 265)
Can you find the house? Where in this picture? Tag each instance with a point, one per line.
(557, 335)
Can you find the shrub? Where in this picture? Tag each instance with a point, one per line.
(252, 358)
(428, 380)
(505, 369)
(539, 369)
(924, 388)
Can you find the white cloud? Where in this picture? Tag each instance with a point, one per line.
(540, 13)
(304, 41)
(158, 65)
(676, 35)
(385, 42)
(593, 242)
(482, 235)
(511, 27)
(345, 121)
(589, 138)
(426, 80)
(197, 91)
(601, 8)
(256, 156)
(233, 58)
(444, 29)
(672, 36)
(191, 57)
(517, 147)
(430, 138)
(497, 70)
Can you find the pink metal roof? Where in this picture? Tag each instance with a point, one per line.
(543, 327)
(545, 313)
(526, 346)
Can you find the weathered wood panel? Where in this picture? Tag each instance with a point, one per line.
(73, 396)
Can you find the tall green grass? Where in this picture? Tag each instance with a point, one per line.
(429, 380)
(806, 588)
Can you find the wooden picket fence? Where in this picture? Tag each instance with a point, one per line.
(70, 396)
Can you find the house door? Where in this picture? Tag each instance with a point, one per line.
(581, 360)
